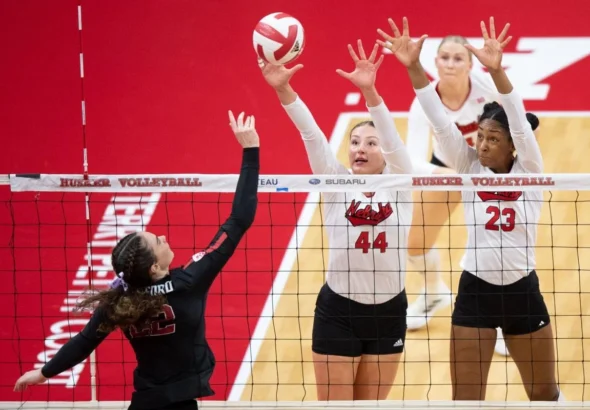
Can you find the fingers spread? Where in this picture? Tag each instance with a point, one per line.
(353, 54)
(385, 36)
(492, 28)
(343, 73)
(378, 64)
(296, 68)
(374, 53)
(484, 31)
(504, 32)
(394, 28)
(384, 44)
(421, 40)
(406, 26)
(232, 120)
(362, 54)
(505, 42)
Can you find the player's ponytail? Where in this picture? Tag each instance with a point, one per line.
(128, 302)
(494, 111)
(533, 120)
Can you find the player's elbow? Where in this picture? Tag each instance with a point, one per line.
(245, 217)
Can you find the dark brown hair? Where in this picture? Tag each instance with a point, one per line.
(130, 303)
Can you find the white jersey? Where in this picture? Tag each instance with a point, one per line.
(367, 236)
(482, 91)
(501, 226)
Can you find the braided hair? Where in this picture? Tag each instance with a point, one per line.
(494, 111)
(132, 304)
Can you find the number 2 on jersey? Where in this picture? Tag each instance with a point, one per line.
(160, 325)
(363, 242)
(509, 213)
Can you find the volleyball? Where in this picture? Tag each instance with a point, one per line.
(278, 38)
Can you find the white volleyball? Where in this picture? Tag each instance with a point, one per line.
(278, 38)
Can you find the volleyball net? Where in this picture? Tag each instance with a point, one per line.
(57, 232)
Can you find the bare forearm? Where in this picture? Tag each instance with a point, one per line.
(286, 94)
(371, 96)
(418, 76)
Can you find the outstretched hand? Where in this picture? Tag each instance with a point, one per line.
(365, 69)
(490, 55)
(277, 76)
(401, 45)
(29, 378)
(244, 130)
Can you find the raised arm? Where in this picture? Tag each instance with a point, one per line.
(364, 77)
(523, 137)
(490, 55)
(204, 267)
(321, 158)
(450, 139)
(394, 151)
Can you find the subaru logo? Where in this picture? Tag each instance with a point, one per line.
(314, 181)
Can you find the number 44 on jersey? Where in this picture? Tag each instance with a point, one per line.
(363, 242)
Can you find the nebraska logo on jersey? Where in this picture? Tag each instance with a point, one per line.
(367, 215)
(468, 128)
(499, 196)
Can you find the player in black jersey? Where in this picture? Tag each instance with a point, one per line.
(147, 300)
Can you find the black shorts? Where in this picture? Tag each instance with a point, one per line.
(435, 161)
(182, 405)
(343, 327)
(517, 308)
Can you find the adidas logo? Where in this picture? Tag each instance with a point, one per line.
(398, 343)
(542, 323)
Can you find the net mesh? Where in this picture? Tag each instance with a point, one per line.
(55, 243)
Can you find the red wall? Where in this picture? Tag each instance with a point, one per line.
(159, 79)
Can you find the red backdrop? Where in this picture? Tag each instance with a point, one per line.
(159, 79)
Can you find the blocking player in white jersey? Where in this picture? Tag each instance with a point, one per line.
(499, 286)
(360, 317)
(464, 92)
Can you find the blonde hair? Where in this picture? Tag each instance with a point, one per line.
(455, 39)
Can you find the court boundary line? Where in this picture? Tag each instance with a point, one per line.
(267, 314)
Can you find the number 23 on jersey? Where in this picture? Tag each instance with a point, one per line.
(501, 219)
(363, 242)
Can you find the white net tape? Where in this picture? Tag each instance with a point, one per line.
(297, 183)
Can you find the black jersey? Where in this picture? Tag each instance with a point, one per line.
(174, 361)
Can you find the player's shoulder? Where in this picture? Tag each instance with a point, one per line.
(519, 168)
(165, 285)
(180, 278)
